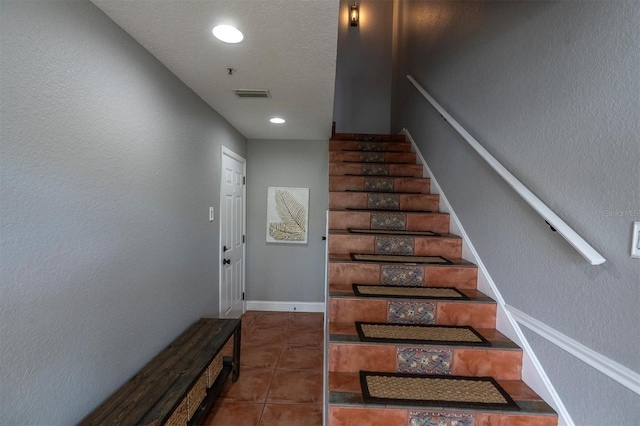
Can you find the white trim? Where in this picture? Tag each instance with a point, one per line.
(618, 372)
(266, 305)
(576, 241)
(532, 372)
(229, 153)
(325, 363)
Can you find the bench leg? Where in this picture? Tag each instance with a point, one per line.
(236, 352)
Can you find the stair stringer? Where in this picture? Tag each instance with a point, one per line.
(533, 373)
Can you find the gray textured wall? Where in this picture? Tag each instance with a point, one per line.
(551, 89)
(363, 72)
(286, 272)
(108, 166)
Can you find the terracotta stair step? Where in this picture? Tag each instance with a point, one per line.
(342, 219)
(460, 273)
(384, 201)
(346, 407)
(501, 360)
(375, 169)
(344, 242)
(379, 184)
(476, 312)
(367, 137)
(345, 145)
(372, 157)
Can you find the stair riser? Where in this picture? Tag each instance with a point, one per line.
(383, 201)
(373, 169)
(372, 157)
(435, 222)
(420, 246)
(337, 145)
(439, 312)
(500, 364)
(370, 416)
(347, 273)
(385, 184)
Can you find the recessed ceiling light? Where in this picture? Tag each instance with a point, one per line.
(277, 120)
(228, 34)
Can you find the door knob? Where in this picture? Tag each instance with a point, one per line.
(226, 262)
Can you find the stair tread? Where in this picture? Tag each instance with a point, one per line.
(345, 390)
(457, 262)
(474, 296)
(345, 332)
(439, 236)
(384, 192)
(387, 163)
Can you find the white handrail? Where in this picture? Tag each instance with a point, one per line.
(576, 241)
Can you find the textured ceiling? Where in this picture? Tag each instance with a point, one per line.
(289, 48)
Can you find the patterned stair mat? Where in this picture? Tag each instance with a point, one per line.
(413, 292)
(420, 334)
(438, 390)
(399, 259)
(393, 232)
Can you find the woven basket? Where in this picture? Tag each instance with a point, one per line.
(197, 394)
(214, 370)
(180, 415)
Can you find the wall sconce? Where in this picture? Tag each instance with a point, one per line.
(354, 15)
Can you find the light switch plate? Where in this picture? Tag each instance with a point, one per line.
(211, 214)
(635, 244)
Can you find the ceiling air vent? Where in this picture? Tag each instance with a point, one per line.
(252, 93)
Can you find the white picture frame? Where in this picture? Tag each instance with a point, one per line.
(287, 215)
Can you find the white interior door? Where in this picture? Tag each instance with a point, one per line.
(232, 227)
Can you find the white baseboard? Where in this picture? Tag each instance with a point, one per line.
(265, 305)
(532, 372)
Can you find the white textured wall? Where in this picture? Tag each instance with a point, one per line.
(551, 89)
(286, 272)
(362, 101)
(108, 166)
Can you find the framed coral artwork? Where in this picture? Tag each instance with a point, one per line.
(287, 215)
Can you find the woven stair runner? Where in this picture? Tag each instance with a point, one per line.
(399, 259)
(414, 292)
(393, 232)
(420, 334)
(437, 390)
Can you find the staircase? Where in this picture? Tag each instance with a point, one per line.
(380, 205)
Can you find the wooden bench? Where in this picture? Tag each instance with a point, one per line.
(180, 384)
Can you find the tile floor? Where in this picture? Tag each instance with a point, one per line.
(281, 373)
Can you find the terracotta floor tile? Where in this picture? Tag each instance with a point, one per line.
(301, 358)
(296, 386)
(272, 320)
(264, 337)
(344, 382)
(348, 416)
(252, 386)
(234, 413)
(291, 415)
(353, 358)
(307, 320)
(249, 317)
(304, 337)
(265, 357)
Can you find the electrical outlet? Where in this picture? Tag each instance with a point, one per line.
(211, 214)
(635, 244)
